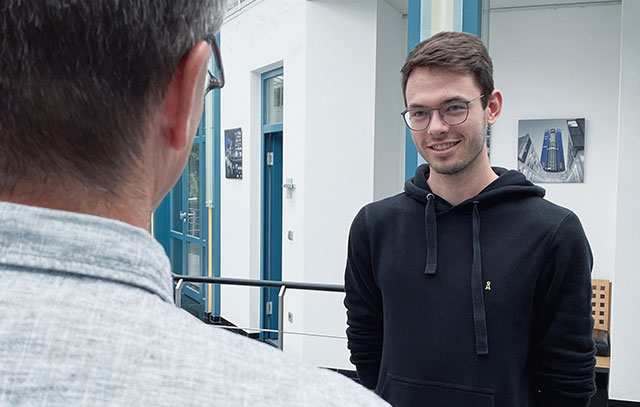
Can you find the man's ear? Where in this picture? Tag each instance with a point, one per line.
(494, 106)
(182, 104)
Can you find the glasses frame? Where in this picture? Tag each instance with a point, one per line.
(213, 81)
(430, 111)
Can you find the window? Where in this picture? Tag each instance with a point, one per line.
(236, 5)
(274, 99)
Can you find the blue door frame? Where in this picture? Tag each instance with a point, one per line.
(471, 23)
(271, 250)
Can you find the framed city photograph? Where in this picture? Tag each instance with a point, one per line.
(552, 150)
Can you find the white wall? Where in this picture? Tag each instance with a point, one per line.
(354, 148)
(339, 152)
(564, 63)
(391, 40)
(264, 36)
(625, 330)
(588, 57)
(341, 67)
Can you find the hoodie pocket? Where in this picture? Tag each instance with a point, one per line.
(404, 392)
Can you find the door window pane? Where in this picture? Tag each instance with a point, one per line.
(176, 256)
(274, 99)
(193, 263)
(193, 199)
(177, 214)
(233, 5)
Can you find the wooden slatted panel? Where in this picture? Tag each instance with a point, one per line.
(600, 303)
(603, 362)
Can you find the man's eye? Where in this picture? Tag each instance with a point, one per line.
(419, 114)
(454, 107)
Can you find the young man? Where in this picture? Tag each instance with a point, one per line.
(468, 289)
(100, 101)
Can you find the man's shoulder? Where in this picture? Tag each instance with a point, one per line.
(543, 215)
(239, 370)
(550, 211)
(248, 371)
(145, 351)
(383, 208)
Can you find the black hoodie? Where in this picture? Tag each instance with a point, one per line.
(486, 303)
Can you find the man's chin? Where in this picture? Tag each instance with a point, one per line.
(446, 169)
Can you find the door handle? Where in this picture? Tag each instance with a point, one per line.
(183, 216)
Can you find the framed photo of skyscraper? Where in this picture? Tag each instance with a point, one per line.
(552, 150)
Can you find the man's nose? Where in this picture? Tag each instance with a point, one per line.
(437, 125)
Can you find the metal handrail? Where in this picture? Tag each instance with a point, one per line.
(283, 285)
(260, 283)
(248, 328)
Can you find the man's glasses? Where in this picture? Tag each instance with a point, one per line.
(213, 81)
(452, 113)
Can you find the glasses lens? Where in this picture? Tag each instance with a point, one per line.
(454, 113)
(417, 119)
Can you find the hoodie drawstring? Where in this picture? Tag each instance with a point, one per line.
(509, 185)
(432, 235)
(477, 295)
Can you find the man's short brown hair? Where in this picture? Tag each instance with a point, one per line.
(78, 80)
(455, 52)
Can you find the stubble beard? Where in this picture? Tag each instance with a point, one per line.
(467, 164)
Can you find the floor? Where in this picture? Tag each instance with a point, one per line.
(600, 399)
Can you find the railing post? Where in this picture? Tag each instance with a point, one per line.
(177, 293)
(283, 289)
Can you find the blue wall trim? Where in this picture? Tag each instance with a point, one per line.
(471, 23)
(215, 212)
(458, 15)
(410, 152)
(471, 16)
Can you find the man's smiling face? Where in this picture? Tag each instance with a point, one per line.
(449, 150)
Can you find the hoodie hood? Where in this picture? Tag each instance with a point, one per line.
(510, 184)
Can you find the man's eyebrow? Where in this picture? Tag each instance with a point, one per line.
(417, 106)
(453, 99)
(444, 102)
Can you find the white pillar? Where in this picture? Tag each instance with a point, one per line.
(625, 323)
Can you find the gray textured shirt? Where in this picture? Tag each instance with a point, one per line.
(87, 318)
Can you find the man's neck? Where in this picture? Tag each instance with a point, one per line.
(132, 211)
(457, 188)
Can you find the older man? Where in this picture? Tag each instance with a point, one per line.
(99, 104)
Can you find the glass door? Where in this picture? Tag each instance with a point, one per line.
(187, 232)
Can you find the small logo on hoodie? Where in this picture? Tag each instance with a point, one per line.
(488, 286)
